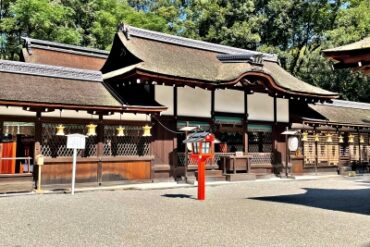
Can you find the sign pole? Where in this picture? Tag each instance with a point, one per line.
(201, 179)
(39, 190)
(74, 170)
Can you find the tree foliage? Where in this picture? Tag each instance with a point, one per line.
(296, 30)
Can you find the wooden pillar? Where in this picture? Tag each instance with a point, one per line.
(212, 123)
(359, 146)
(316, 152)
(175, 102)
(100, 149)
(275, 134)
(245, 123)
(38, 143)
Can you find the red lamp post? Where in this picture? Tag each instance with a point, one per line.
(202, 150)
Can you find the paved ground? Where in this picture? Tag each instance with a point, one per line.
(325, 212)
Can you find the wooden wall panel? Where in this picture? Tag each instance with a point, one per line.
(61, 173)
(164, 142)
(135, 170)
(64, 59)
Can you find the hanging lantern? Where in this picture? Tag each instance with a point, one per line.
(329, 138)
(341, 140)
(362, 140)
(60, 130)
(91, 129)
(351, 138)
(120, 131)
(146, 130)
(304, 137)
(317, 137)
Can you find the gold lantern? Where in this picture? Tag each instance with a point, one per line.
(351, 138)
(329, 138)
(60, 130)
(120, 131)
(362, 140)
(60, 127)
(317, 137)
(304, 137)
(341, 140)
(91, 129)
(146, 130)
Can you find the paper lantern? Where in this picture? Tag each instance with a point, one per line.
(293, 143)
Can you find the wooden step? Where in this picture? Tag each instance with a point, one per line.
(212, 175)
(264, 175)
(240, 177)
(11, 183)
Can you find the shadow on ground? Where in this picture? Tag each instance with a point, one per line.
(351, 201)
(178, 196)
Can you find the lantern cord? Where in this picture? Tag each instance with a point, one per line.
(163, 126)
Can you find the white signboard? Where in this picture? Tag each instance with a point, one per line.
(77, 141)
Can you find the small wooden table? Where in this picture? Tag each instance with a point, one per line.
(233, 159)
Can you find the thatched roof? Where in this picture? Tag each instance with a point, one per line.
(359, 45)
(155, 54)
(355, 56)
(344, 113)
(29, 84)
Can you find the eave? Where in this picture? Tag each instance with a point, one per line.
(178, 81)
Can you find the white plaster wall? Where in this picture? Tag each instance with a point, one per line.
(282, 106)
(164, 96)
(229, 101)
(260, 107)
(193, 102)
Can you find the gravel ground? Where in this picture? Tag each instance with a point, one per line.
(325, 212)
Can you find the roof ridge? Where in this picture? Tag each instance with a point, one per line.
(50, 71)
(182, 41)
(349, 104)
(47, 43)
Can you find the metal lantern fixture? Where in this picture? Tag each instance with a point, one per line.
(146, 130)
(351, 138)
(362, 139)
(304, 137)
(341, 139)
(91, 129)
(60, 130)
(60, 127)
(317, 137)
(120, 131)
(329, 138)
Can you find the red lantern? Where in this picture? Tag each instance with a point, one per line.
(202, 150)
